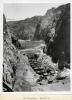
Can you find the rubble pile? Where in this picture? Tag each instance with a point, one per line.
(46, 69)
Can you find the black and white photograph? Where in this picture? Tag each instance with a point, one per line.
(36, 47)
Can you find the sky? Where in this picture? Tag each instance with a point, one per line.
(15, 11)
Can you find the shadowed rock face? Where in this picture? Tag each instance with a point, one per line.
(24, 29)
(60, 48)
(56, 21)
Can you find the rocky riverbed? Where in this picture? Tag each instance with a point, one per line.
(42, 74)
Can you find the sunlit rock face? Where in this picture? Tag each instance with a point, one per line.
(13, 63)
(9, 55)
(46, 26)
